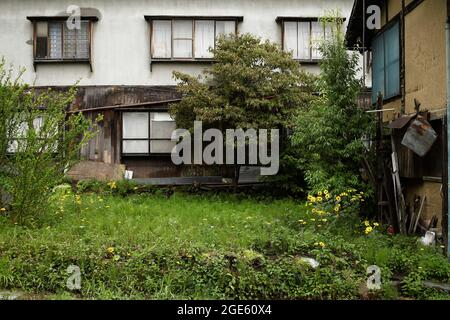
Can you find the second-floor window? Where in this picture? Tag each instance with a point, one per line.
(55, 41)
(386, 63)
(187, 39)
(303, 37)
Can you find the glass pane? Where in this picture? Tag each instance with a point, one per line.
(162, 129)
(182, 29)
(225, 27)
(161, 146)
(55, 34)
(290, 38)
(41, 29)
(204, 38)
(304, 40)
(162, 39)
(182, 48)
(70, 43)
(317, 35)
(135, 125)
(377, 67)
(161, 116)
(135, 146)
(392, 64)
(82, 41)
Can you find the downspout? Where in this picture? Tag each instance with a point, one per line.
(447, 42)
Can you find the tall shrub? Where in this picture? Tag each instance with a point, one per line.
(39, 141)
(330, 133)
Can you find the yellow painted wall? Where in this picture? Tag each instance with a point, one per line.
(433, 202)
(396, 104)
(425, 75)
(425, 55)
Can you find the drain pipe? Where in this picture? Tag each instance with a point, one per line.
(447, 41)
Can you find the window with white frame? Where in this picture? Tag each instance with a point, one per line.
(147, 132)
(303, 37)
(180, 39)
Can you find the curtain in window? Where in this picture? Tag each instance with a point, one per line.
(204, 38)
(225, 27)
(317, 35)
(304, 40)
(162, 39)
(290, 38)
(182, 38)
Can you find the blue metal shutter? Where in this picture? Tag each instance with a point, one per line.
(377, 67)
(392, 61)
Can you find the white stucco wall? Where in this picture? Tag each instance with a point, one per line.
(121, 49)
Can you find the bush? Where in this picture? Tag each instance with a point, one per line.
(330, 133)
(39, 141)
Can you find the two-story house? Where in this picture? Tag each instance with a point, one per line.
(124, 53)
(410, 69)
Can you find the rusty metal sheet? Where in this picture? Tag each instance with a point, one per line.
(401, 122)
(420, 136)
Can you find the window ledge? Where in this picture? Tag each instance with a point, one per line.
(62, 61)
(158, 60)
(314, 61)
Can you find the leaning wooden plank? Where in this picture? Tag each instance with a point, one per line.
(400, 197)
(419, 214)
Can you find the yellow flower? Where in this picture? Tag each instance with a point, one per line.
(368, 230)
(110, 250)
(112, 185)
(324, 220)
(322, 244)
(376, 224)
(367, 223)
(319, 193)
(338, 198)
(325, 192)
(327, 196)
(337, 208)
(319, 199)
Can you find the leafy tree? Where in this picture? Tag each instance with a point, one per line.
(39, 141)
(329, 134)
(251, 84)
